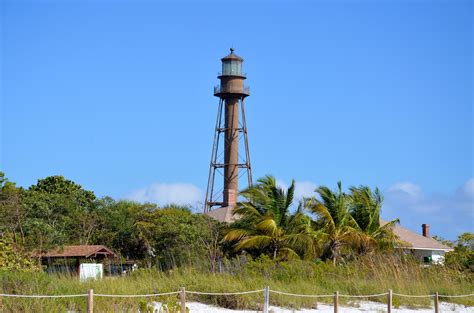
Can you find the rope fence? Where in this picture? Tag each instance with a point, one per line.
(299, 295)
(458, 296)
(224, 293)
(266, 297)
(138, 296)
(42, 296)
(364, 296)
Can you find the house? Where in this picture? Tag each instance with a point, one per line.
(422, 246)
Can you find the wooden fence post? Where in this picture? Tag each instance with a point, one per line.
(436, 302)
(336, 302)
(389, 301)
(90, 301)
(266, 299)
(182, 297)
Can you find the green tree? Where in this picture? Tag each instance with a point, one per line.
(121, 225)
(462, 258)
(12, 257)
(59, 211)
(337, 228)
(365, 208)
(77, 204)
(445, 242)
(12, 212)
(266, 225)
(179, 237)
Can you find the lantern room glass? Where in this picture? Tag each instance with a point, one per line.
(232, 67)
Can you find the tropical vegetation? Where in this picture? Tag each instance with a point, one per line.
(333, 240)
(343, 224)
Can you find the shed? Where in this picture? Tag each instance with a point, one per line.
(59, 259)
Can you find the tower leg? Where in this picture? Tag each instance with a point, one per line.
(212, 166)
(246, 143)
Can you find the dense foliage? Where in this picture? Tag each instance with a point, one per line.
(13, 258)
(266, 224)
(56, 212)
(332, 225)
(342, 224)
(462, 257)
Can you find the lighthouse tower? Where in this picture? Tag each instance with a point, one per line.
(230, 129)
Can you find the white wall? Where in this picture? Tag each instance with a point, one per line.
(437, 256)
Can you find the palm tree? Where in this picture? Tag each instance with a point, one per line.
(365, 209)
(266, 224)
(338, 229)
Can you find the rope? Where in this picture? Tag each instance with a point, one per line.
(458, 296)
(231, 294)
(137, 296)
(364, 296)
(224, 293)
(299, 295)
(41, 296)
(412, 296)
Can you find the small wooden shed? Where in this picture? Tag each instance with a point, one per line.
(78, 253)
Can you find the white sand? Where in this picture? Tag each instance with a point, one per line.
(359, 307)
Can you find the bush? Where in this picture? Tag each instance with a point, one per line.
(13, 258)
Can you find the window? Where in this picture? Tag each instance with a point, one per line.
(232, 68)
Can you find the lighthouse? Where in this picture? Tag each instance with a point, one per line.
(230, 159)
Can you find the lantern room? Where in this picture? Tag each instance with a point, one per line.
(232, 65)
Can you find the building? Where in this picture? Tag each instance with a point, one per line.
(68, 259)
(228, 164)
(422, 246)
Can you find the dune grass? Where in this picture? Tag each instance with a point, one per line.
(370, 275)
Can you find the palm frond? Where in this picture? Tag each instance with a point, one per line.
(254, 242)
(236, 234)
(268, 226)
(288, 253)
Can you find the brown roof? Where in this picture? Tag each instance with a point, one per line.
(84, 251)
(223, 214)
(415, 240)
(232, 56)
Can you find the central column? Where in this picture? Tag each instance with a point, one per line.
(231, 151)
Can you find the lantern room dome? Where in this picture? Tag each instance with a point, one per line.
(232, 57)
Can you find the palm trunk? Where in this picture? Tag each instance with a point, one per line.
(275, 251)
(335, 251)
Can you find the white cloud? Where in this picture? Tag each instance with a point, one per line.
(167, 193)
(406, 187)
(468, 188)
(448, 213)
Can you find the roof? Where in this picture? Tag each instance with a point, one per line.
(416, 241)
(223, 214)
(85, 251)
(232, 56)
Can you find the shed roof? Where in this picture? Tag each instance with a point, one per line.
(417, 241)
(85, 251)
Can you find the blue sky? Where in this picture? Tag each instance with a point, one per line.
(117, 96)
